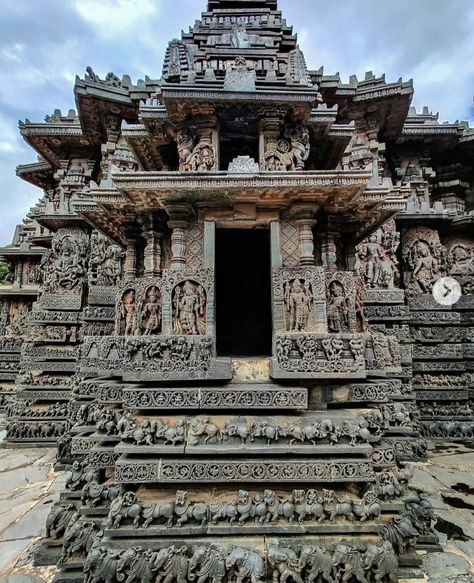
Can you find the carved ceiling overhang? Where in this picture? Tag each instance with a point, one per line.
(56, 141)
(371, 104)
(27, 250)
(145, 142)
(152, 190)
(194, 100)
(375, 206)
(102, 108)
(19, 292)
(110, 222)
(40, 174)
(438, 136)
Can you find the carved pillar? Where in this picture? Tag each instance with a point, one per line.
(304, 220)
(152, 234)
(132, 234)
(270, 129)
(329, 245)
(180, 219)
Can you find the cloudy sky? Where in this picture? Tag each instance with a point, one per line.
(44, 44)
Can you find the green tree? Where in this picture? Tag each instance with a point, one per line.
(4, 271)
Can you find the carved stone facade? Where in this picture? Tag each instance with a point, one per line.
(188, 460)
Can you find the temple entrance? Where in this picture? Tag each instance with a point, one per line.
(243, 292)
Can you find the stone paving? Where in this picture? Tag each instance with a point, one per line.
(29, 485)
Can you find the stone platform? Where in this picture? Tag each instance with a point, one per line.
(29, 485)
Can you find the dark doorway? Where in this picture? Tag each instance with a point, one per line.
(243, 292)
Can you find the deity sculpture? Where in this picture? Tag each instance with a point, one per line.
(127, 312)
(195, 157)
(338, 309)
(65, 265)
(189, 308)
(112, 265)
(300, 146)
(376, 259)
(298, 304)
(239, 37)
(426, 268)
(150, 316)
(287, 154)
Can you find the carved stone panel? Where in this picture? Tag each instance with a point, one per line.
(341, 302)
(299, 300)
(188, 302)
(138, 309)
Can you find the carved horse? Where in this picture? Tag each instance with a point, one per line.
(123, 507)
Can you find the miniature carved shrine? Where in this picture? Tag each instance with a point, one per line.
(221, 313)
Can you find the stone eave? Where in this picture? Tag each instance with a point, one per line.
(20, 252)
(148, 190)
(11, 291)
(108, 223)
(55, 141)
(450, 133)
(102, 91)
(39, 174)
(55, 221)
(178, 98)
(96, 101)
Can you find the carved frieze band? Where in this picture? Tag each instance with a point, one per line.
(204, 398)
(210, 471)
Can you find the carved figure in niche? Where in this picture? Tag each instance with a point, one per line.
(298, 304)
(376, 259)
(189, 309)
(111, 271)
(426, 269)
(185, 143)
(127, 312)
(412, 173)
(338, 308)
(287, 154)
(203, 156)
(65, 265)
(460, 260)
(194, 157)
(151, 312)
(239, 38)
(300, 146)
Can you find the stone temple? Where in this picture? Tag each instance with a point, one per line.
(223, 313)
